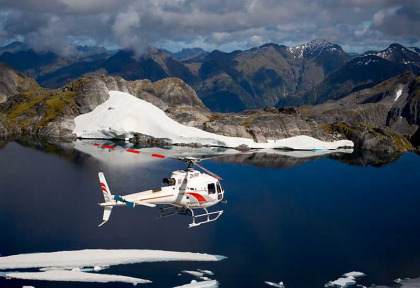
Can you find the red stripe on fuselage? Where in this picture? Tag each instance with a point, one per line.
(104, 189)
(133, 151)
(197, 196)
(103, 185)
(158, 156)
(107, 146)
(96, 144)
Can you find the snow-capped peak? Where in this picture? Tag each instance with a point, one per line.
(398, 53)
(315, 47)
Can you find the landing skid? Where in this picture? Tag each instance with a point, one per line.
(167, 211)
(208, 220)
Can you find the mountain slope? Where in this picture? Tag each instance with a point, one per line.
(188, 54)
(361, 72)
(13, 82)
(261, 76)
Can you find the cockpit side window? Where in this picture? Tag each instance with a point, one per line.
(169, 181)
(211, 188)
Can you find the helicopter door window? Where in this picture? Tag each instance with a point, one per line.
(211, 188)
(219, 188)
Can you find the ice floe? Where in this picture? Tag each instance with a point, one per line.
(348, 279)
(354, 274)
(200, 284)
(131, 115)
(341, 282)
(403, 283)
(208, 272)
(280, 284)
(74, 276)
(98, 257)
(193, 273)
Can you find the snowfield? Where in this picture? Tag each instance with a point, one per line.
(98, 257)
(123, 115)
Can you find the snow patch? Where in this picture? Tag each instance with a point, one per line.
(398, 94)
(74, 276)
(98, 257)
(132, 116)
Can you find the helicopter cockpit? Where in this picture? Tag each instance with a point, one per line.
(212, 188)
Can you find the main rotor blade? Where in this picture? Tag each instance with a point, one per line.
(208, 171)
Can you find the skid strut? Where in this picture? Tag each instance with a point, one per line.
(170, 210)
(207, 214)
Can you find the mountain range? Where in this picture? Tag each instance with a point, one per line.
(268, 75)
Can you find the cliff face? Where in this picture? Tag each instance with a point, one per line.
(12, 82)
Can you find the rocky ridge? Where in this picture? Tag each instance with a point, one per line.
(373, 118)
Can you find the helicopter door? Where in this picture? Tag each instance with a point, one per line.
(219, 191)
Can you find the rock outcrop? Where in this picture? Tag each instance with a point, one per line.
(381, 118)
(12, 82)
(51, 112)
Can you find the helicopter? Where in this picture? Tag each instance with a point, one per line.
(183, 192)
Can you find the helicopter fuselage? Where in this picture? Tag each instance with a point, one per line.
(189, 189)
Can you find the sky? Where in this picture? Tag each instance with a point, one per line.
(356, 25)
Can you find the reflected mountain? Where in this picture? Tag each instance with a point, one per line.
(363, 158)
(80, 150)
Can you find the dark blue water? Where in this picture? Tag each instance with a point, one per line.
(304, 225)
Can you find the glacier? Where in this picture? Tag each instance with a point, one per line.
(123, 115)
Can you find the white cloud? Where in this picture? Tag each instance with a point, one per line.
(218, 23)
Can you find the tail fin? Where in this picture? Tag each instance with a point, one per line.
(105, 189)
(107, 196)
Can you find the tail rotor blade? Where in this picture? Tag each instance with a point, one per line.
(128, 203)
(208, 171)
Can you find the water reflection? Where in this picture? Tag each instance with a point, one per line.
(319, 219)
(80, 150)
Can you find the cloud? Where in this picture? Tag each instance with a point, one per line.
(217, 24)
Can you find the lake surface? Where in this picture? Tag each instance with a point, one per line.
(304, 221)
